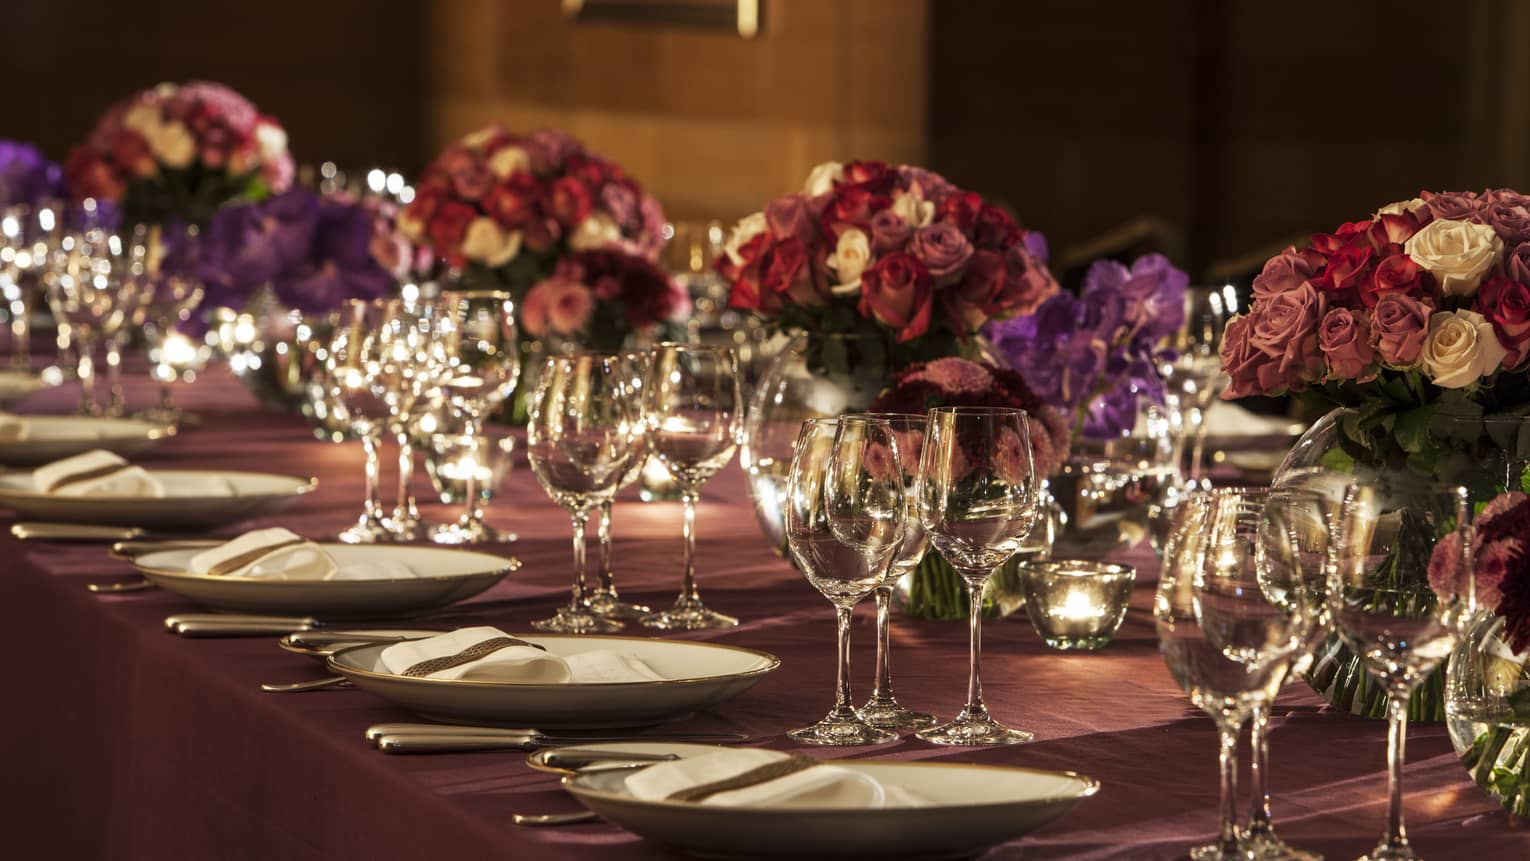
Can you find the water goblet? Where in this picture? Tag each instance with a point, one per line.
(979, 497)
(604, 600)
(95, 283)
(693, 416)
(475, 337)
(408, 365)
(1193, 377)
(844, 522)
(1397, 598)
(584, 420)
(173, 293)
(350, 366)
(883, 708)
(455, 461)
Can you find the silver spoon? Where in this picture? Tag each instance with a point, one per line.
(554, 818)
(300, 687)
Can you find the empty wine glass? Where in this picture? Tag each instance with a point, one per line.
(584, 420)
(691, 406)
(1225, 633)
(409, 365)
(1193, 378)
(476, 338)
(95, 284)
(604, 600)
(844, 521)
(173, 292)
(349, 370)
(883, 709)
(979, 497)
(1397, 595)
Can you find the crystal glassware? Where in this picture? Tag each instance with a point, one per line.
(475, 337)
(408, 366)
(844, 522)
(883, 709)
(350, 366)
(691, 407)
(95, 283)
(1397, 594)
(468, 469)
(604, 599)
(979, 497)
(1193, 378)
(584, 420)
(1076, 604)
(173, 293)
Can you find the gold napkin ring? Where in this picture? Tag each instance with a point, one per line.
(248, 557)
(753, 777)
(88, 475)
(472, 653)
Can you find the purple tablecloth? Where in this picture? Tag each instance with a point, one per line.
(121, 741)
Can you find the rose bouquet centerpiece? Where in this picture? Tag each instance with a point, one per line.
(179, 152)
(934, 590)
(600, 298)
(1414, 327)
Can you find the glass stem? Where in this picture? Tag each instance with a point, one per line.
(166, 405)
(883, 689)
(374, 469)
(1397, 736)
(472, 511)
(579, 601)
(975, 706)
(116, 403)
(1259, 788)
(1198, 437)
(21, 330)
(842, 707)
(86, 371)
(689, 597)
(1227, 759)
(406, 511)
(607, 579)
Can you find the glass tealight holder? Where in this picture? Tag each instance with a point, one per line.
(1076, 604)
(450, 458)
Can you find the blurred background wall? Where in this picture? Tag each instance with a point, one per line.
(1209, 129)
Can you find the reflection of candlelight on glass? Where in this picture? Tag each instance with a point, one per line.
(1076, 605)
(657, 484)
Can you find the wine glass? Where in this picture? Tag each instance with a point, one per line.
(475, 338)
(691, 400)
(349, 370)
(584, 419)
(844, 522)
(1397, 598)
(979, 497)
(173, 293)
(95, 284)
(1225, 634)
(408, 363)
(883, 709)
(604, 600)
(1193, 378)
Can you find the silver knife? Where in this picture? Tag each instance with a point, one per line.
(39, 531)
(238, 629)
(237, 619)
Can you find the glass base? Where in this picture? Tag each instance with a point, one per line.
(1215, 852)
(172, 416)
(611, 606)
(466, 531)
(571, 621)
(367, 530)
(885, 713)
(1079, 644)
(405, 528)
(974, 730)
(1391, 852)
(1267, 846)
(687, 617)
(841, 732)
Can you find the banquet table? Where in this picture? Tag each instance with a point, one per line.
(123, 741)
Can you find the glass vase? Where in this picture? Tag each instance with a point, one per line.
(1487, 711)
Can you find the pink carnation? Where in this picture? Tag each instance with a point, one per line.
(569, 307)
(534, 309)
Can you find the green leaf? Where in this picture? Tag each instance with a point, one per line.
(1412, 429)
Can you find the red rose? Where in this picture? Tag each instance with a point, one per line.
(994, 228)
(88, 176)
(131, 154)
(515, 202)
(1506, 304)
(1396, 228)
(872, 177)
(960, 208)
(569, 201)
(1396, 273)
(896, 292)
(448, 227)
(785, 266)
(1348, 268)
(541, 232)
(969, 303)
(851, 207)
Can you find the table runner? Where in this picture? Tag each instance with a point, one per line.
(121, 741)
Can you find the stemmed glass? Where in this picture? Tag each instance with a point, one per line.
(604, 600)
(475, 338)
(1194, 377)
(1226, 635)
(584, 419)
(408, 366)
(1397, 593)
(883, 709)
(844, 521)
(172, 295)
(979, 497)
(691, 406)
(95, 284)
(349, 369)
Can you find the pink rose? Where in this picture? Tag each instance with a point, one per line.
(1399, 324)
(1252, 372)
(1285, 328)
(896, 292)
(1027, 282)
(791, 215)
(1285, 271)
(569, 307)
(534, 309)
(943, 249)
(889, 232)
(1345, 340)
(971, 301)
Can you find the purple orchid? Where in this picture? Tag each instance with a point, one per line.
(26, 176)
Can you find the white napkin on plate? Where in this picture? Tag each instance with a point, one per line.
(279, 554)
(514, 664)
(200, 486)
(12, 428)
(817, 785)
(1227, 419)
(96, 473)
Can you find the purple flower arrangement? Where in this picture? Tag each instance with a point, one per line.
(26, 175)
(1095, 355)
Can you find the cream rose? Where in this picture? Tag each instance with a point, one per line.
(272, 140)
(487, 243)
(914, 210)
(141, 119)
(1461, 348)
(477, 139)
(747, 228)
(172, 144)
(821, 179)
(595, 231)
(1401, 207)
(511, 159)
(851, 256)
(1459, 253)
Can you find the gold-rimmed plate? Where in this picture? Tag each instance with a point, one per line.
(961, 810)
(696, 676)
(446, 576)
(51, 438)
(194, 499)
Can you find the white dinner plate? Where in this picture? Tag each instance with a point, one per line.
(968, 809)
(51, 438)
(446, 576)
(696, 675)
(194, 499)
(15, 385)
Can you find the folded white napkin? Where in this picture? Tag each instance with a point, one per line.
(279, 554)
(1224, 418)
(181, 484)
(12, 428)
(489, 654)
(800, 783)
(96, 473)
